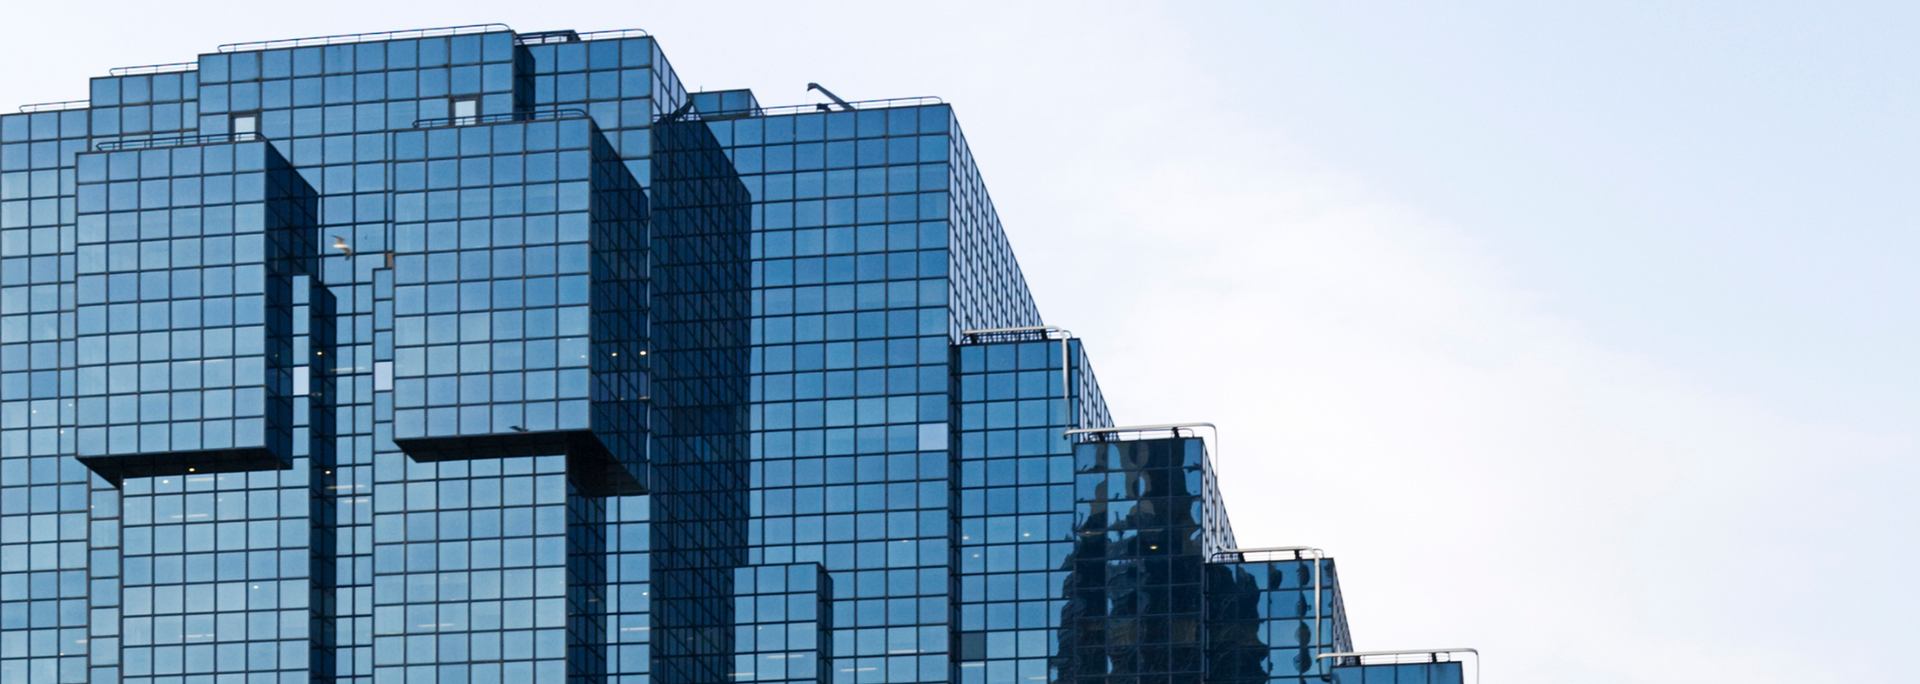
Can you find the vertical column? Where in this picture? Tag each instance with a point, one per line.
(782, 624)
(850, 368)
(45, 528)
(1015, 495)
(519, 381)
(698, 515)
(316, 397)
(1261, 623)
(192, 264)
(479, 568)
(1134, 604)
(630, 84)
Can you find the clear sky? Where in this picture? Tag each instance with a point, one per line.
(1584, 334)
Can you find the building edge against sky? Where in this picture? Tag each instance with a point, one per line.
(470, 355)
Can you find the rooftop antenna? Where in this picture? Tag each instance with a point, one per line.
(836, 98)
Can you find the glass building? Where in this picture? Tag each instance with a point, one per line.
(474, 356)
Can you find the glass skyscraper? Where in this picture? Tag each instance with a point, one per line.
(473, 356)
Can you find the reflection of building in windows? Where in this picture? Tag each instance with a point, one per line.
(468, 355)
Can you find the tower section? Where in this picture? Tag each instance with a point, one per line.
(186, 260)
(520, 275)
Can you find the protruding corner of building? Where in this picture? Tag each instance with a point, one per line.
(593, 465)
(117, 468)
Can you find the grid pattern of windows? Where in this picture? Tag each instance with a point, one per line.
(624, 84)
(1402, 673)
(850, 370)
(781, 623)
(48, 558)
(1133, 610)
(508, 294)
(519, 282)
(1015, 497)
(146, 104)
(217, 576)
(698, 433)
(330, 110)
(1261, 620)
(353, 89)
(628, 588)
(989, 291)
(461, 355)
(186, 261)
(485, 571)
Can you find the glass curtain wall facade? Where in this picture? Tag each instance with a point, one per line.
(474, 356)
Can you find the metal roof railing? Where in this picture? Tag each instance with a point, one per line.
(177, 141)
(55, 106)
(154, 69)
(522, 115)
(1037, 332)
(572, 36)
(922, 101)
(1114, 433)
(1031, 332)
(1131, 432)
(1407, 657)
(615, 34)
(348, 38)
(1271, 553)
(545, 37)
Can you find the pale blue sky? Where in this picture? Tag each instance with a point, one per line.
(1583, 334)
